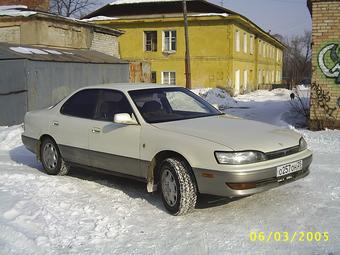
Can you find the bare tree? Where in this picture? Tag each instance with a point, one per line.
(72, 8)
(297, 64)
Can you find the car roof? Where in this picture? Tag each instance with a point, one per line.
(125, 87)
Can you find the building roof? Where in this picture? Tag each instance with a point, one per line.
(15, 51)
(147, 7)
(123, 9)
(21, 11)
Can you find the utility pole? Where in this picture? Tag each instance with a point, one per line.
(187, 52)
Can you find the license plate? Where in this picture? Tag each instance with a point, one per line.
(289, 168)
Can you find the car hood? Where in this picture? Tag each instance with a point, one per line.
(235, 133)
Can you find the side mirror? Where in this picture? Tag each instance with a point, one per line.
(124, 118)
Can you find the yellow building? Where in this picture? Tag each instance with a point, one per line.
(227, 49)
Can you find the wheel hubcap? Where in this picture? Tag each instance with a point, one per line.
(50, 156)
(169, 187)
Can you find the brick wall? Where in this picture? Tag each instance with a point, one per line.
(105, 43)
(325, 91)
(42, 5)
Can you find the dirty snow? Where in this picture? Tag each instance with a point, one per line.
(90, 213)
(15, 11)
(103, 18)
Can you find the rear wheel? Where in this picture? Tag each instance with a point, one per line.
(179, 192)
(51, 158)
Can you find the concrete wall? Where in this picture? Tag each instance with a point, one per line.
(10, 34)
(61, 34)
(325, 92)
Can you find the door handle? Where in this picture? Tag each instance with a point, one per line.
(96, 130)
(55, 123)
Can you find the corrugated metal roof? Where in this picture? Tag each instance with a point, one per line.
(15, 51)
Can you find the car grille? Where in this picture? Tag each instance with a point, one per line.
(282, 153)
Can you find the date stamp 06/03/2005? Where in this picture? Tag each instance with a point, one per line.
(302, 236)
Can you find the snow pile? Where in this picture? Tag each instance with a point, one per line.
(16, 11)
(217, 96)
(10, 137)
(266, 95)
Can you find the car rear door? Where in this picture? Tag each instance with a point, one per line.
(114, 147)
(71, 127)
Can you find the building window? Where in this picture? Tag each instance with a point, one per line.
(170, 41)
(260, 77)
(260, 47)
(150, 40)
(153, 77)
(264, 49)
(245, 80)
(245, 43)
(169, 78)
(237, 40)
(251, 44)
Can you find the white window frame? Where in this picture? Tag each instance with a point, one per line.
(260, 77)
(245, 42)
(171, 36)
(245, 80)
(251, 44)
(237, 41)
(169, 81)
(260, 47)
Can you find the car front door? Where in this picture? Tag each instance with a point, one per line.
(114, 147)
(70, 128)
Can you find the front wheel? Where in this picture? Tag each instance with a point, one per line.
(179, 192)
(51, 158)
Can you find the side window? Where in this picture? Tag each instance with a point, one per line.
(169, 41)
(112, 102)
(82, 104)
(150, 40)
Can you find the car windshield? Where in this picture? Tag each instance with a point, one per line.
(171, 104)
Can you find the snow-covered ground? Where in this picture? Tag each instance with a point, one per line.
(90, 213)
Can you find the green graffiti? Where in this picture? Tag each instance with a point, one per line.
(329, 61)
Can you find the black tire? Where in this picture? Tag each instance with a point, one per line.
(178, 187)
(54, 163)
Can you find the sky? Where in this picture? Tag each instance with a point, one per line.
(285, 17)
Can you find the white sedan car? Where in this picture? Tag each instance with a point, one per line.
(167, 137)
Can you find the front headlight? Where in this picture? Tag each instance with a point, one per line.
(303, 144)
(239, 158)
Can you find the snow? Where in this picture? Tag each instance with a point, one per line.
(25, 50)
(209, 14)
(103, 18)
(15, 11)
(100, 18)
(54, 52)
(91, 213)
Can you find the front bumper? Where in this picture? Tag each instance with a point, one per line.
(264, 176)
